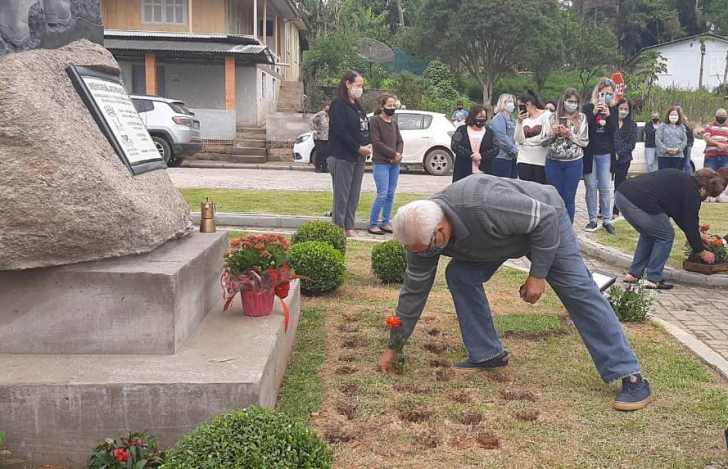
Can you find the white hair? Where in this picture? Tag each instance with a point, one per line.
(502, 100)
(416, 221)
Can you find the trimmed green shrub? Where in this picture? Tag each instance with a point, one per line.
(325, 231)
(321, 266)
(248, 438)
(632, 304)
(389, 261)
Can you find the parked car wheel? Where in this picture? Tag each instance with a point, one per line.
(438, 162)
(163, 147)
(175, 161)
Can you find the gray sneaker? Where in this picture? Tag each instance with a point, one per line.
(591, 226)
(496, 363)
(610, 228)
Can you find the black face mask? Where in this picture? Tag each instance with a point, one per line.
(389, 112)
(656, 120)
(480, 123)
(720, 120)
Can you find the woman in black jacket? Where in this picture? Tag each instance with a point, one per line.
(349, 146)
(470, 160)
(625, 139)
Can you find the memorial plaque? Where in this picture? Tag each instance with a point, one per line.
(114, 112)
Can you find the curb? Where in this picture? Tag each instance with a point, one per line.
(255, 220)
(619, 259)
(705, 353)
(212, 164)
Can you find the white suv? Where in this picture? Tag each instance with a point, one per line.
(173, 127)
(426, 136)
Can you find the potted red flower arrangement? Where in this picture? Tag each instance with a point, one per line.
(717, 246)
(256, 266)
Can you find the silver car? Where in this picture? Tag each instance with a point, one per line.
(173, 127)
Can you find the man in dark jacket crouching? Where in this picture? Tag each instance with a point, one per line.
(480, 222)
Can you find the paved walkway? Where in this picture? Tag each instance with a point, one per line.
(689, 312)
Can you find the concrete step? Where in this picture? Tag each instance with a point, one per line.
(289, 109)
(250, 136)
(250, 143)
(56, 407)
(249, 151)
(146, 304)
(250, 159)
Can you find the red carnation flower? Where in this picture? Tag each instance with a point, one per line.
(393, 321)
(121, 455)
(704, 227)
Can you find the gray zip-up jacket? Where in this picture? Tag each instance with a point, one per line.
(494, 219)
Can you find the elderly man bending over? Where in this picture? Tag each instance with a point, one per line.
(480, 222)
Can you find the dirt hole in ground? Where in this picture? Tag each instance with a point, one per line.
(349, 389)
(469, 418)
(349, 328)
(337, 434)
(441, 375)
(356, 342)
(439, 363)
(410, 388)
(518, 396)
(498, 377)
(488, 439)
(346, 370)
(527, 415)
(437, 349)
(348, 410)
(348, 359)
(350, 318)
(414, 414)
(428, 439)
(461, 397)
(434, 332)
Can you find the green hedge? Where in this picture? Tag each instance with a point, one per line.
(389, 261)
(325, 231)
(321, 267)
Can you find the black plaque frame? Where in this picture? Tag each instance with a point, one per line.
(76, 74)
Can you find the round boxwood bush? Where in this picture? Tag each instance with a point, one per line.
(389, 261)
(321, 265)
(247, 438)
(325, 231)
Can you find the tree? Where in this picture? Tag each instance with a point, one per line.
(590, 48)
(545, 55)
(485, 36)
(643, 73)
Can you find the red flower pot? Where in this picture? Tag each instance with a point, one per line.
(257, 303)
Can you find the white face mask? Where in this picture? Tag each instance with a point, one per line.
(570, 107)
(623, 114)
(511, 107)
(356, 92)
(673, 119)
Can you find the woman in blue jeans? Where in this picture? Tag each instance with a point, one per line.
(600, 156)
(504, 128)
(387, 147)
(648, 202)
(568, 138)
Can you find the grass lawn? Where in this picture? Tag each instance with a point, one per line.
(716, 215)
(550, 411)
(281, 202)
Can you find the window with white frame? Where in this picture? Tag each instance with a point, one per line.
(164, 12)
(263, 90)
(717, 66)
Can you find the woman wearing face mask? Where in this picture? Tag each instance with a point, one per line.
(625, 139)
(689, 131)
(532, 131)
(349, 146)
(671, 139)
(504, 128)
(568, 137)
(387, 146)
(473, 145)
(600, 156)
(650, 129)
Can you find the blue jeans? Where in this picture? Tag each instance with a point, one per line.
(589, 309)
(505, 168)
(656, 238)
(650, 159)
(385, 177)
(686, 161)
(565, 177)
(665, 162)
(599, 180)
(716, 162)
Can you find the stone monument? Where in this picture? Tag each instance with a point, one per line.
(110, 304)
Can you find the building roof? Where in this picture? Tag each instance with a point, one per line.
(676, 41)
(181, 43)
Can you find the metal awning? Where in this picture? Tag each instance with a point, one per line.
(189, 44)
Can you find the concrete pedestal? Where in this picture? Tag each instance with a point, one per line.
(141, 305)
(56, 407)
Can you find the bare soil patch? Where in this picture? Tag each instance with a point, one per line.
(518, 396)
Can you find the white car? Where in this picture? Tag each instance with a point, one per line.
(639, 164)
(426, 136)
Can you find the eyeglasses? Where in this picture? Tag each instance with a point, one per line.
(432, 250)
(608, 83)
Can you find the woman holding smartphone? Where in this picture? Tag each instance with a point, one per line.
(600, 155)
(532, 131)
(567, 139)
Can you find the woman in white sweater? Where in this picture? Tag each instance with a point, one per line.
(533, 132)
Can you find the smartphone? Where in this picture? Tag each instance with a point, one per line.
(521, 108)
(564, 121)
(601, 100)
